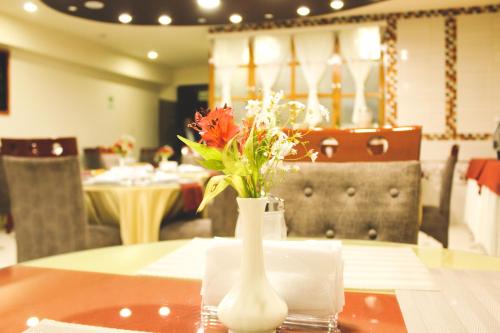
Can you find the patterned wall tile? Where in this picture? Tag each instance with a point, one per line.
(390, 38)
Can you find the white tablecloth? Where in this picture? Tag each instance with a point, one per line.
(482, 215)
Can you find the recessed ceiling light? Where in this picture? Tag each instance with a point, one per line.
(153, 55)
(235, 18)
(125, 18)
(303, 11)
(202, 20)
(96, 5)
(30, 7)
(269, 16)
(208, 4)
(337, 4)
(72, 8)
(165, 20)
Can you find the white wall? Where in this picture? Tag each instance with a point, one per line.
(52, 98)
(185, 76)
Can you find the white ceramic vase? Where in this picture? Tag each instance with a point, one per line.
(252, 305)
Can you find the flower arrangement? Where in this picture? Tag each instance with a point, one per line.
(164, 153)
(249, 155)
(124, 145)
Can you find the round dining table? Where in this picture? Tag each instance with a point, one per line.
(100, 287)
(140, 208)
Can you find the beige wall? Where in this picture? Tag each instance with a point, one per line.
(51, 98)
(184, 76)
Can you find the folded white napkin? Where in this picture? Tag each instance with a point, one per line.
(308, 275)
(163, 177)
(51, 326)
(189, 168)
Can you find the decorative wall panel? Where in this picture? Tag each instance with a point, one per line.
(467, 69)
(421, 73)
(478, 69)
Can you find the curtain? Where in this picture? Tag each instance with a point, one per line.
(270, 53)
(313, 51)
(228, 54)
(359, 47)
(360, 69)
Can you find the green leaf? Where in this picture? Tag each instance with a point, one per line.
(238, 183)
(212, 164)
(232, 160)
(208, 153)
(214, 187)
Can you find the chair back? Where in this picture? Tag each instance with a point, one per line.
(373, 201)
(40, 147)
(147, 155)
(92, 158)
(100, 158)
(47, 205)
(4, 189)
(363, 145)
(447, 182)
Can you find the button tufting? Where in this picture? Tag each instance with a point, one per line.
(372, 234)
(308, 191)
(351, 191)
(394, 192)
(330, 233)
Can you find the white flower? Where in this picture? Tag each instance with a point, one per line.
(282, 148)
(253, 107)
(314, 156)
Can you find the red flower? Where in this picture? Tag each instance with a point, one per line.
(217, 127)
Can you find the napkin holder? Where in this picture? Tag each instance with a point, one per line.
(308, 275)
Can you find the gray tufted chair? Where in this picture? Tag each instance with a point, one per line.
(48, 208)
(436, 219)
(373, 201)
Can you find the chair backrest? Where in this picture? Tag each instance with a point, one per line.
(4, 189)
(47, 205)
(447, 182)
(363, 145)
(147, 155)
(58, 147)
(100, 158)
(378, 201)
(92, 158)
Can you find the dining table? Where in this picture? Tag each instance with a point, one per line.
(140, 205)
(482, 204)
(101, 287)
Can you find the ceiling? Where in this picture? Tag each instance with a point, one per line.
(177, 46)
(188, 12)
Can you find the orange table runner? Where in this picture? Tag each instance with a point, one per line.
(99, 299)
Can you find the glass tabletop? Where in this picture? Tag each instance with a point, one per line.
(129, 259)
(98, 287)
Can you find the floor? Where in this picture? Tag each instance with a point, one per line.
(460, 239)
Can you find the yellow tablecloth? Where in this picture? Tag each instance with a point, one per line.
(138, 209)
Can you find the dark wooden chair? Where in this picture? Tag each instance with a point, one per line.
(363, 145)
(147, 155)
(5, 197)
(436, 219)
